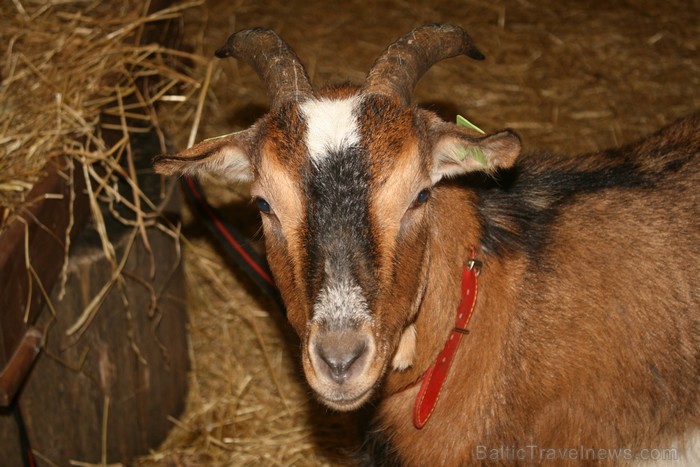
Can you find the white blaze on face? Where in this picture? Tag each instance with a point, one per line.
(331, 125)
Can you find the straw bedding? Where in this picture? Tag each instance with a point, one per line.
(569, 76)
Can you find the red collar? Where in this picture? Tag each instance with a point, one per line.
(434, 378)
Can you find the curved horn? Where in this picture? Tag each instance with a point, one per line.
(401, 65)
(273, 60)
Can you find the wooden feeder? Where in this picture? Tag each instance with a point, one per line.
(94, 367)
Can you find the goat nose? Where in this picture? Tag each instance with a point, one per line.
(340, 356)
(340, 362)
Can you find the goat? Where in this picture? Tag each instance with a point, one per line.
(585, 330)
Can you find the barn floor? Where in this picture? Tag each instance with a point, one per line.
(568, 76)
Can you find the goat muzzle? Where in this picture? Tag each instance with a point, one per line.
(340, 366)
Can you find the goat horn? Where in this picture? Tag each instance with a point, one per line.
(401, 65)
(273, 60)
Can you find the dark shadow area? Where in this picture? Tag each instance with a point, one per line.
(246, 115)
(447, 111)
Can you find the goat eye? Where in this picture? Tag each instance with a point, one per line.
(421, 198)
(263, 206)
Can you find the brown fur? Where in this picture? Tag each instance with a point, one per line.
(594, 343)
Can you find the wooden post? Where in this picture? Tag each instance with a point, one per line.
(105, 392)
(42, 230)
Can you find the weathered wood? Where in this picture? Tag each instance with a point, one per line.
(130, 361)
(44, 221)
(130, 364)
(42, 228)
(132, 357)
(19, 364)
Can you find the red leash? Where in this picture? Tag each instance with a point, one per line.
(232, 241)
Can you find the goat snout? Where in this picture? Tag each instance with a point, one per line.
(341, 354)
(341, 366)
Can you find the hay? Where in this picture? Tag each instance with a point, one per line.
(70, 71)
(73, 85)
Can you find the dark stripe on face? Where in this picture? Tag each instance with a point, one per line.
(339, 234)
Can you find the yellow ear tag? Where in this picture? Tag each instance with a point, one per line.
(475, 152)
(222, 136)
(461, 121)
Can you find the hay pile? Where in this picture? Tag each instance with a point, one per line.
(79, 80)
(71, 71)
(571, 76)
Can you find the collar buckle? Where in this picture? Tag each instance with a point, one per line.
(475, 265)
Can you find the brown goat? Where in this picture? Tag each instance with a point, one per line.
(584, 340)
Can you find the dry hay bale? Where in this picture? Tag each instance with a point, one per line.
(71, 70)
(74, 71)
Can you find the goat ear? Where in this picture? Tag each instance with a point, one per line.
(456, 152)
(225, 155)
